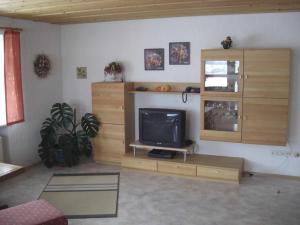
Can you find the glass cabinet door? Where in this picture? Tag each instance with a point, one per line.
(222, 76)
(221, 119)
(222, 72)
(221, 115)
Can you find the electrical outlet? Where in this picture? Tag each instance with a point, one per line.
(296, 154)
(285, 153)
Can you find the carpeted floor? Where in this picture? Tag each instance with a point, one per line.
(153, 199)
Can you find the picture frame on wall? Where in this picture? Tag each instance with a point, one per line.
(81, 72)
(179, 53)
(154, 59)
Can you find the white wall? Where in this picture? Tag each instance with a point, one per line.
(95, 45)
(39, 94)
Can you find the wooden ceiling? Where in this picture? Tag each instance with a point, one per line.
(82, 11)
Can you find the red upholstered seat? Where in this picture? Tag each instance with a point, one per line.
(38, 212)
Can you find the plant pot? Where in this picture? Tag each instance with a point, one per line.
(113, 77)
(60, 157)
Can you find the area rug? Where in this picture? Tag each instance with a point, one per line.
(87, 195)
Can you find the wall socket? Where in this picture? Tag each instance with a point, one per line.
(286, 153)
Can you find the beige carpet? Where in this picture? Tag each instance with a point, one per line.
(84, 195)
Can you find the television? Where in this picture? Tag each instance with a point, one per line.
(162, 127)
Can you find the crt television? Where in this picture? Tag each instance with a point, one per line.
(162, 127)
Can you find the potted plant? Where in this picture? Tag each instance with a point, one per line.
(113, 72)
(62, 140)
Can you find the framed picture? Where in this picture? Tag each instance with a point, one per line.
(81, 72)
(154, 59)
(179, 53)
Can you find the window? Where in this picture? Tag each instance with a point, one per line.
(2, 84)
(11, 94)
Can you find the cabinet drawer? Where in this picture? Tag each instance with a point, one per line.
(218, 173)
(176, 168)
(143, 164)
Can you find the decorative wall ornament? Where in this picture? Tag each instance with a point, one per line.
(113, 72)
(227, 43)
(81, 72)
(179, 53)
(42, 65)
(154, 59)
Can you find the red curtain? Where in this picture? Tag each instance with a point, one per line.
(13, 79)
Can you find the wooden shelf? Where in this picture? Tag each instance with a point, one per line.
(159, 92)
(176, 88)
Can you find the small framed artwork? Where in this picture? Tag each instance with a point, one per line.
(81, 72)
(179, 53)
(154, 59)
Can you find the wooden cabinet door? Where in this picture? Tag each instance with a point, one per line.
(265, 121)
(109, 145)
(222, 72)
(266, 73)
(220, 119)
(108, 102)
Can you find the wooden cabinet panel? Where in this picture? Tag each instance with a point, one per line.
(266, 73)
(265, 121)
(108, 102)
(110, 143)
(176, 168)
(137, 163)
(218, 173)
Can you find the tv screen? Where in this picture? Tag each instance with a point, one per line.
(162, 127)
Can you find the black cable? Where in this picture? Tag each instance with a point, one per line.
(184, 96)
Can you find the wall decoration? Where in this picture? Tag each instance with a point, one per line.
(113, 72)
(179, 53)
(81, 72)
(227, 43)
(154, 59)
(42, 65)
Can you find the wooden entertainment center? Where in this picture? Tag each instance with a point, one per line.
(254, 105)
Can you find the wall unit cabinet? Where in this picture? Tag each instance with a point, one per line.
(258, 79)
(113, 104)
(114, 109)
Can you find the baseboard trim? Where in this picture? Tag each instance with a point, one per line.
(248, 173)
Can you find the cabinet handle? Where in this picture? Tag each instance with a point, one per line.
(239, 117)
(122, 108)
(241, 77)
(246, 76)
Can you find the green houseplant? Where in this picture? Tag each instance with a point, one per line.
(62, 140)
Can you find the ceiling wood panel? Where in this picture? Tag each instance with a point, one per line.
(81, 11)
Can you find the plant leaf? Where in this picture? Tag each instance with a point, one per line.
(62, 113)
(48, 133)
(47, 156)
(90, 124)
